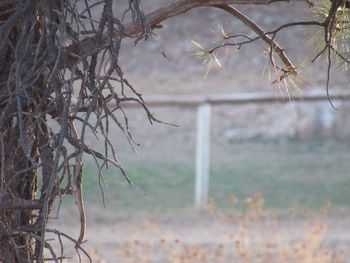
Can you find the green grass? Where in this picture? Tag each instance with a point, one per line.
(292, 174)
(299, 174)
(169, 186)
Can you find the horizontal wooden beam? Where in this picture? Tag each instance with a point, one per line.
(238, 98)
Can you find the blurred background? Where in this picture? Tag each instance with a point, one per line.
(279, 185)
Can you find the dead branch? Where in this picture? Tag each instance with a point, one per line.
(20, 204)
(169, 10)
(259, 31)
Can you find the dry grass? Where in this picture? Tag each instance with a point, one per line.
(249, 237)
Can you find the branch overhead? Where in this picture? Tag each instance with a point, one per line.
(169, 10)
(178, 7)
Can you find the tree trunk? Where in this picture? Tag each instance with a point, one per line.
(18, 171)
(18, 188)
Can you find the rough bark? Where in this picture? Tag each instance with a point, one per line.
(19, 182)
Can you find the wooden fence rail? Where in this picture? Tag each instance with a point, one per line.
(203, 103)
(240, 98)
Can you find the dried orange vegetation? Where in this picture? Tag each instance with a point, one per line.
(255, 237)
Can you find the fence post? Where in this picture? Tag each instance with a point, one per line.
(202, 155)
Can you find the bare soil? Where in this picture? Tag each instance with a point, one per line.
(212, 237)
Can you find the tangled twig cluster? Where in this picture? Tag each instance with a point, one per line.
(45, 86)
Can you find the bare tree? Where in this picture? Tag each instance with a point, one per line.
(60, 67)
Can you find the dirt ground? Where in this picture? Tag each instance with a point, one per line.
(211, 236)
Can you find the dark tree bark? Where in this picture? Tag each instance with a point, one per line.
(20, 135)
(19, 183)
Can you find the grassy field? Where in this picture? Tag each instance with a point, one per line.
(288, 174)
(250, 218)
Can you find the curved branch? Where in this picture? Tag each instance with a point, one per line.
(173, 8)
(179, 7)
(78, 171)
(259, 31)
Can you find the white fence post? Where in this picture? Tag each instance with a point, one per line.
(202, 155)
